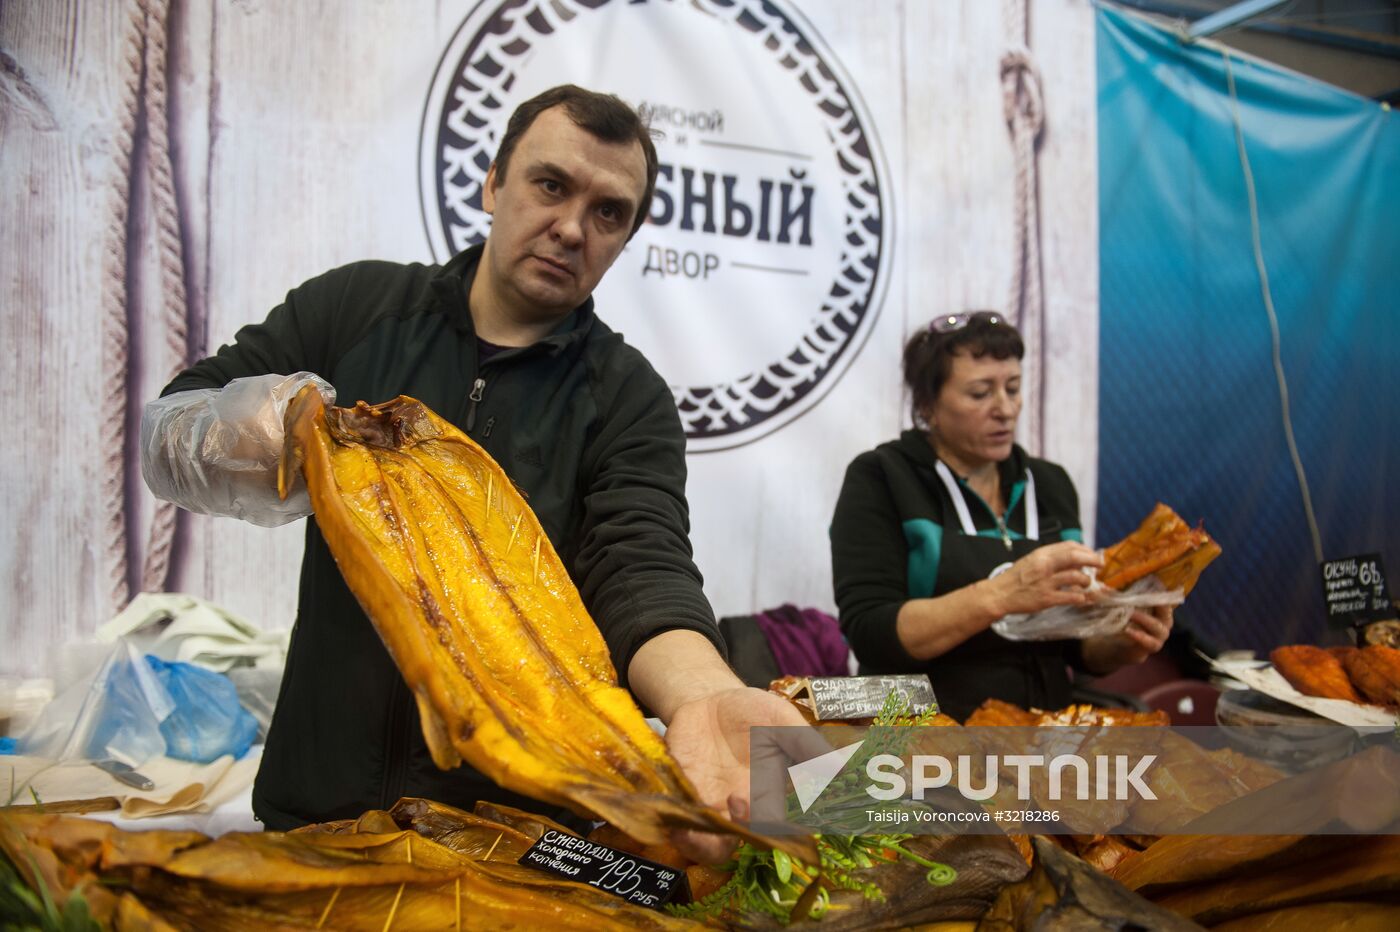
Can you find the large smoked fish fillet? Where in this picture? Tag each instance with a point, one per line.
(455, 572)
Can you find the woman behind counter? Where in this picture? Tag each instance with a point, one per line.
(953, 526)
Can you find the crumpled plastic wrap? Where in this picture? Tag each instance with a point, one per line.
(215, 451)
(1108, 615)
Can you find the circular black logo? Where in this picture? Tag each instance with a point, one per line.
(765, 259)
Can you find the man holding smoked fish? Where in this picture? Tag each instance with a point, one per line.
(503, 342)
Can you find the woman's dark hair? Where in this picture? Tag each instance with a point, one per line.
(928, 356)
(606, 116)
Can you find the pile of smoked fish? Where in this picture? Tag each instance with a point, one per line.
(1369, 674)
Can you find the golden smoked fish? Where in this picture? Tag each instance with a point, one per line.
(454, 570)
(392, 879)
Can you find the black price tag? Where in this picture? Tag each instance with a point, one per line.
(632, 878)
(1355, 591)
(848, 697)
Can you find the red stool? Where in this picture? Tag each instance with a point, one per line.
(1188, 702)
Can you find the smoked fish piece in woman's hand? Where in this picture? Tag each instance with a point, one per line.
(1163, 545)
(479, 614)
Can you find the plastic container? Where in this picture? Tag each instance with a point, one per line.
(1279, 734)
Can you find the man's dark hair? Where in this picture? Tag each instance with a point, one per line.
(606, 116)
(928, 356)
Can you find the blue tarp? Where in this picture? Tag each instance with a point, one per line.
(1189, 403)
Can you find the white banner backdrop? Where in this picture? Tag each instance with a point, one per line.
(834, 174)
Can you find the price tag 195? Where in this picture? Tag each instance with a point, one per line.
(627, 876)
(1355, 591)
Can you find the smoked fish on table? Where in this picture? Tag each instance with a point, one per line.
(390, 878)
(1314, 671)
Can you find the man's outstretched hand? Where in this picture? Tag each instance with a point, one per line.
(709, 712)
(709, 738)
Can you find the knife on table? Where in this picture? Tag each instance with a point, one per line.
(125, 774)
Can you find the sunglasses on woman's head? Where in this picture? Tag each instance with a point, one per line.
(947, 323)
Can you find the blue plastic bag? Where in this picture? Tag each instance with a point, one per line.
(207, 720)
(112, 712)
(131, 708)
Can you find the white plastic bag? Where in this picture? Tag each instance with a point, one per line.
(215, 451)
(1108, 614)
(177, 626)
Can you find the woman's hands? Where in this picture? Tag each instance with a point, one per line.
(1054, 575)
(1142, 637)
(1047, 576)
(1050, 575)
